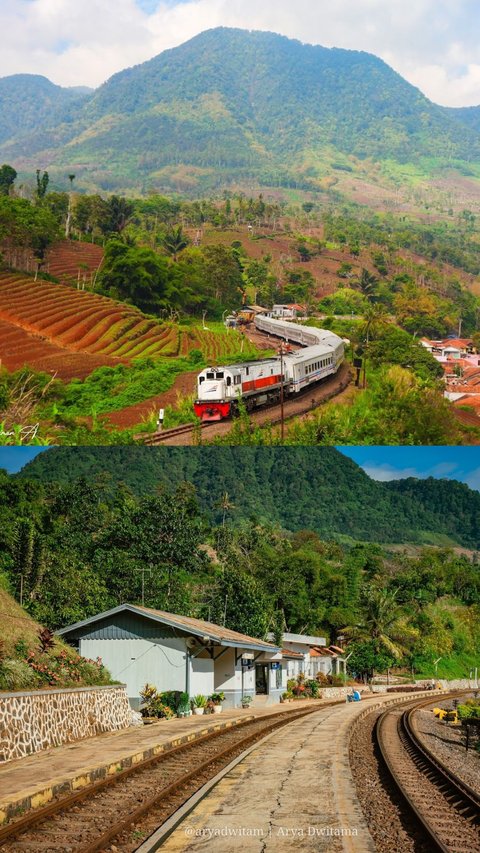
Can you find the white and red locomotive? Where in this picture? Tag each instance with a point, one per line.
(259, 383)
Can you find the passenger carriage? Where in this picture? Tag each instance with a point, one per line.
(259, 383)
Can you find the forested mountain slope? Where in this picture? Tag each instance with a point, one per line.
(326, 491)
(231, 103)
(29, 102)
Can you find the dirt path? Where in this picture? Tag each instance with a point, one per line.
(183, 386)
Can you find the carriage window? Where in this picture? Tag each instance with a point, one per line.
(220, 375)
(238, 380)
(229, 381)
(210, 376)
(202, 379)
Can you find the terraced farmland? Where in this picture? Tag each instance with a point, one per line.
(71, 332)
(71, 262)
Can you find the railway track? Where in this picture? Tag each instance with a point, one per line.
(446, 808)
(302, 404)
(90, 820)
(168, 434)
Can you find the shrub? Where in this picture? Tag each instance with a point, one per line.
(152, 704)
(312, 687)
(17, 675)
(470, 710)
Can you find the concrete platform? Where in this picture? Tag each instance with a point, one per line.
(295, 792)
(37, 779)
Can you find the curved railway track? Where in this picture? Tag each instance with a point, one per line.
(299, 405)
(108, 811)
(447, 809)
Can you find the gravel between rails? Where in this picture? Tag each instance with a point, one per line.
(388, 821)
(447, 742)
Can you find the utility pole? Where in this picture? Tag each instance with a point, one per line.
(143, 569)
(282, 397)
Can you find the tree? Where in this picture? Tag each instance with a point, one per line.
(175, 241)
(226, 505)
(115, 215)
(366, 659)
(68, 222)
(42, 185)
(380, 622)
(240, 603)
(367, 284)
(374, 317)
(223, 276)
(8, 177)
(138, 275)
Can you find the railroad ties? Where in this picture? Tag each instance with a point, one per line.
(447, 808)
(90, 820)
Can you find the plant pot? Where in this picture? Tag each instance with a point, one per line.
(217, 709)
(198, 711)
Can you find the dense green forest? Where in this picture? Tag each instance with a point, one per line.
(400, 278)
(77, 547)
(232, 105)
(291, 487)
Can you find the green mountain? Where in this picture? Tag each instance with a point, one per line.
(232, 105)
(467, 115)
(324, 491)
(29, 102)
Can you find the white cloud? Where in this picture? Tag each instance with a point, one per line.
(385, 473)
(444, 470)
(433, 43)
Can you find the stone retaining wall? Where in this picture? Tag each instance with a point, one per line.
(30, 722)
(460, 684)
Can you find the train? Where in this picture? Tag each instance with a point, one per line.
(260, 383)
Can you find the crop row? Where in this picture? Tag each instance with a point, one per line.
(82, 321)
(68, 260)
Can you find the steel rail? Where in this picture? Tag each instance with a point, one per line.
(37, 817)
(344, 377)
(458, 795)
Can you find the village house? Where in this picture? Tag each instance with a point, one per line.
(287, 312)
(310, 656)
(139, 645)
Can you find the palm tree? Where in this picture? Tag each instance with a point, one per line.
(367, 283)
(175, 241)
(225, 505)
(68, 223)
(380, 622)
(374, 317)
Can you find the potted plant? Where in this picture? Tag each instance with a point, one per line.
(183, 707)
(217, 699)
(198, 704)
(247, 701)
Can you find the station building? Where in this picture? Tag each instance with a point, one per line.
(139, 645)
(311, 656)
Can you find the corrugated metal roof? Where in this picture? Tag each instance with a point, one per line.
(197, 627)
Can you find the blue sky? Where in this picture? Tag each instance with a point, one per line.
(433, 43)
(381, 463)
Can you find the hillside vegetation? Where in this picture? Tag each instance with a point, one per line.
(237, 106)
(32, 658)
(325, 491)
(83, 545)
